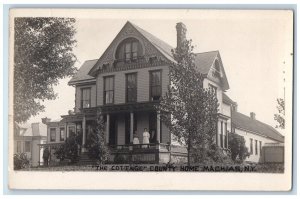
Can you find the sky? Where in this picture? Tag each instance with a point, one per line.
(255, 48)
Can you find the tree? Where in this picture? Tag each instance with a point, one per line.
(280, 117)
(237, 146)
(96, 145)
(42, 55)
(188, 109)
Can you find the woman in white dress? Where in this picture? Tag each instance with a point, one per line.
(146, 137)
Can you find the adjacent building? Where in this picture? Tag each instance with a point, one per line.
(127, 81)
(27, 139)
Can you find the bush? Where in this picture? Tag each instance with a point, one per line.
(69, 150)
(21, 161)
(120, 159)
(239, 151)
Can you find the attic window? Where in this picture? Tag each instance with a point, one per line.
(216, 71)
(129, 50)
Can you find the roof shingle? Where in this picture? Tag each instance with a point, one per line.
(82, 73)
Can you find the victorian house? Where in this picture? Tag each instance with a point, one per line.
(125, 83)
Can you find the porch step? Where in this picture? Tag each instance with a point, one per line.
(85, 160)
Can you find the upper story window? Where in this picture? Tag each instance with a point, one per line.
(129, 50)
(109, 90)
(52, 135)
(131, 87)
(85, 97)
(155, 85)
(216, 70)
(213, 88)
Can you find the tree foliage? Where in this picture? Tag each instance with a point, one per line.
(43, 54)
(96, 144)
(188, 109)
(237, 146)
(69, 150)
(21, 161)
(280, 117)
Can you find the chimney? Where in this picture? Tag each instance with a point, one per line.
(35, 129)
(45, 120)
(181, 34)
(252, 115)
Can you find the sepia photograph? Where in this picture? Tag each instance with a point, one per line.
(176, 95)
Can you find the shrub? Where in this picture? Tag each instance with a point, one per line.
(239, 151)
(21, 161)
(69, 150)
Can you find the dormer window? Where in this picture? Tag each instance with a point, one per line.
(216, 70)
(129, 50)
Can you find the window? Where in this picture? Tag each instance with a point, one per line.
(155, 85)
(131, 87)
(226, 136)
(52, 135)
(71, 131)
(62, 134)
(19, 146)
(85, 97)
(129, 50)
(260, 149)
(251, 146)
(216, 69)
(27, 146)
(213, 89)
(109, 90)
(222, 140)
(256, 151)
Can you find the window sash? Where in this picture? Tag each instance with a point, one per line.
(52, 135)
(251, 146)
(27, 146)
(155, 84)
(86, 98)
(108, 90)
(62, 134)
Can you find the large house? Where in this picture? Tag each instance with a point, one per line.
(127, 81)
(27, 138)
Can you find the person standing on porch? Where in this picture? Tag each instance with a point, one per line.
(136, 138)
(46, 155)
(146, 136)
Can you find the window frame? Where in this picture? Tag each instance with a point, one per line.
(150, 84)
(213, 88)
(51, 132)
(133, 88)
(19, 147)
(90, 96)
(256, 147)
(104, 91)
(251, 146)
(60, 136)
(25, 146)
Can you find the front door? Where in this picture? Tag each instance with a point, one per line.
(113, 128)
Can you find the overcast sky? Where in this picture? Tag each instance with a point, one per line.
(255, 48)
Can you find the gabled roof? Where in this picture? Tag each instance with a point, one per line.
(162, 46)
(82, 73)
(26, 129)
(244, 122)
(227, 99)
(204, 61)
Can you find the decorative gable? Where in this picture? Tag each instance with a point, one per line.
(145, 46)
(217, 73)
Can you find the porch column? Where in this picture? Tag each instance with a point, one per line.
(107, 128)
(158, 126)
(131, 126)
(83, 149)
